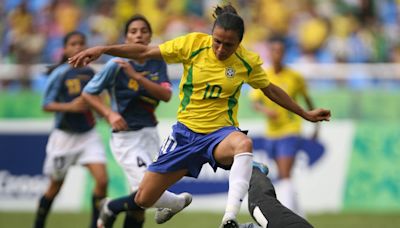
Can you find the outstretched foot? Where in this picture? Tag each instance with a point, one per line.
(165, 214)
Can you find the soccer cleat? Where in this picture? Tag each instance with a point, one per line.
(263, 168)
(249, 225)
(230, 223)
(164, 214)
(106, 217)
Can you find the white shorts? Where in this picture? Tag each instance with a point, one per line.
(134, 151)
(65, 149)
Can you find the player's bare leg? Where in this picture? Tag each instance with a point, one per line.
(53, 189)
(284, 165)
(284, 187)
(154, 185)
(99, 173)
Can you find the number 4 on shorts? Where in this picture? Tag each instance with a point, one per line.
(140, 162)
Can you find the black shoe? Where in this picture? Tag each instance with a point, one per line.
(230, 223)
(106, 217)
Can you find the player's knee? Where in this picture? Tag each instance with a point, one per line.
(244, 145)
(142, 201)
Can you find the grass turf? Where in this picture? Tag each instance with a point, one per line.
(204, 220)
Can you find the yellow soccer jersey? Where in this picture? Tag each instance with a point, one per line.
(287, 123)
(210, 88)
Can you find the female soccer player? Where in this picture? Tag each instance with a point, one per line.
(74, 139)
(215, 68)
(136, 87)
(284, 129)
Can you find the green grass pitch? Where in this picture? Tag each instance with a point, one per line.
(203, 220)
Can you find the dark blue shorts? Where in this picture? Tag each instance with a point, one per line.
(185, 149)
(283, 147)
(289, 147)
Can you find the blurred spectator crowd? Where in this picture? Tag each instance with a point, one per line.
(315, 31)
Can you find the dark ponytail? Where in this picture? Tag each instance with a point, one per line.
(224, 9)
(227, 18)
(64, 58)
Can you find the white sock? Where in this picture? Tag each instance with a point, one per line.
(170, 200)
(286, 194)
(239, 179)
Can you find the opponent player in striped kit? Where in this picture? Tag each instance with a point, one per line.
(136, 88)
(74, 139)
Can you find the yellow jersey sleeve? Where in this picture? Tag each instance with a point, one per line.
(258, 78)
(256, 95)
(180, 49)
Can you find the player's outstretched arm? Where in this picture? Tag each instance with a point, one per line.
(131, 51)
(115, 120)
(77, 105)
(279, 96)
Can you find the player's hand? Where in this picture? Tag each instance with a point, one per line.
(84, 57)
(318, 114)
(116, 121)
(78, 105)
(129, 70)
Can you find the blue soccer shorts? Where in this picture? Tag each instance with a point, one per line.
(283, 147)
(185, 149)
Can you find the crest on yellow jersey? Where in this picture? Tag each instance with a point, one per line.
(230, 72)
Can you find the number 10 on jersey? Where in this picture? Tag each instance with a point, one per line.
(212, 92)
